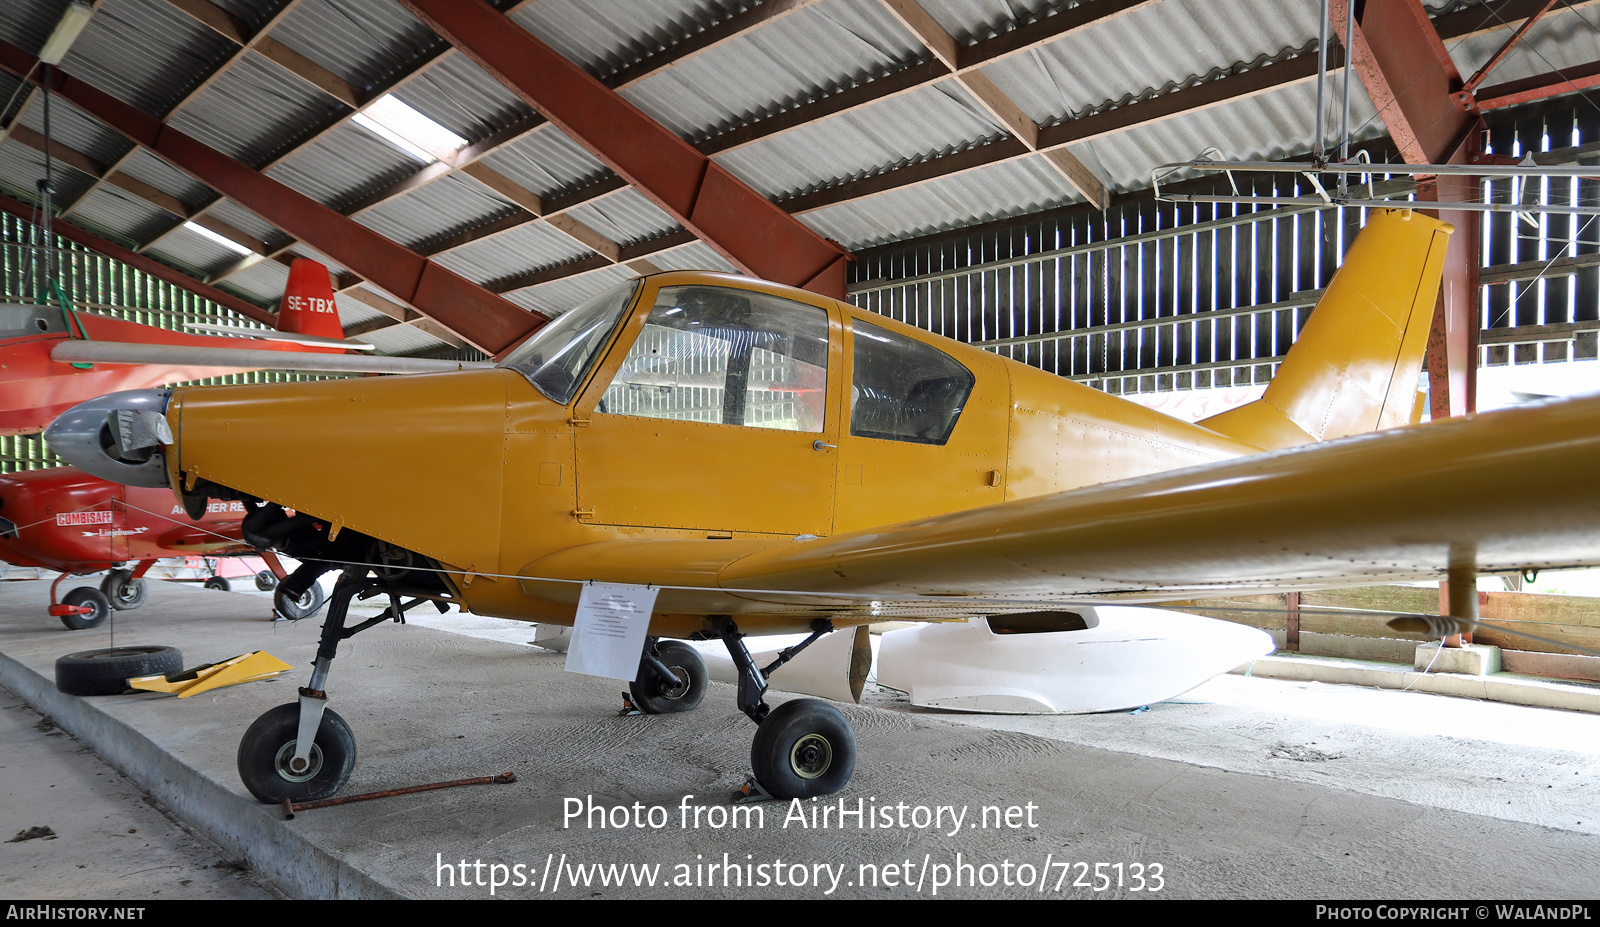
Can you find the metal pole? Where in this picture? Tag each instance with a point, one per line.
(1322, 76)
(1349, 65)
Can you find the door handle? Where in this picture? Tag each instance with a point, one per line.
(821, 445)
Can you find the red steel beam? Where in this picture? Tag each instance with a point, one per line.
(1539, 87)
(489, 322)
(755, 235)
(1413, 83)
(140, 262)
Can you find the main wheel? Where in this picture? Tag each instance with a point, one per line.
(803, 749)
(265, 581)
(90, 598)
(124, 592)
(296, 609)
(106, 672)
(269, 745)
(218, 582)
(655, 696)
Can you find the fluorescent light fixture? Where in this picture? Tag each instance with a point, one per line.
(73, 19)
(408, 130)
(228, 243)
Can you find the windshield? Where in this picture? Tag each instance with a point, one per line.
(556, 358)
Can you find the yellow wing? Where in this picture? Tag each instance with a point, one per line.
(1509, 489)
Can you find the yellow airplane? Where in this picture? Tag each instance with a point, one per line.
(769, 460)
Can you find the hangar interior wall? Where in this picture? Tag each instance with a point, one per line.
(1151, 296)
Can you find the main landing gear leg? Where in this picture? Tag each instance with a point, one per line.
(803, 748)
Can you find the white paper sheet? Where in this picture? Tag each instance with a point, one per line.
(609, 631)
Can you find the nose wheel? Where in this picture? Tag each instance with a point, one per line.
(268, 749)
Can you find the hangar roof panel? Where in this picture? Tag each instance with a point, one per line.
(342, 165)
(144, 52)
(625, 217)
(799, 57)
(254, 110)
(368, 44)
(441, 208)
(458, 95)
(528, 247)
(547, 161)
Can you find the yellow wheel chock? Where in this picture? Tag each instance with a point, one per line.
(247, 667)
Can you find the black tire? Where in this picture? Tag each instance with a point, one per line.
(106, 672)
(267, 747)
(218, 583)
(803, 749)
(265, 581)
(655, 698)
(296, 609)
(88, 597)
(124, 592)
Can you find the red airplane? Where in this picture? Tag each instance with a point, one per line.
(53, 358)
(66, 520)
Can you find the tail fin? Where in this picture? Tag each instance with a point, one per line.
(1356, 365)
(308, 307)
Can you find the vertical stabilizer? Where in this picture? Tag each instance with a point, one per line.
(1357, 363)
(308, 307)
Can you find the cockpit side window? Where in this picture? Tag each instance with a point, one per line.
(727, 356)
(557, 357)
(904, 390)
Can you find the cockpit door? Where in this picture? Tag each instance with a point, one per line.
(722, 417)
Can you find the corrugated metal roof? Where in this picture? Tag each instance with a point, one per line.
(546, 161)
(72, 128)
(248, 222)
(351, 310)
(603, 36)
(255, 110)
(445, 207)
(458, 95)
(799, 57)
(185, 248)
(344, 164)
(145, 52)
(525, 248)
(694, 256)
(625, 216)
(22, 167)
(558, 296)
(1560, 40)
(366, 43)
(905, 129)
(1008, 189)
(263, 280)
(27, 23)
(1172, 43)
(124, 215)
(973, 20)
(400, 339)
(158, 173)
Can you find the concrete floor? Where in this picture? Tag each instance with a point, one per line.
(1244, 788)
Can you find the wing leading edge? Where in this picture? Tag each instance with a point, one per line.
(1387, 507)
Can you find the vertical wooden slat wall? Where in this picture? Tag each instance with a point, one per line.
(1159, 296)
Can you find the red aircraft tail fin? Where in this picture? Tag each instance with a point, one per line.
(308, 307)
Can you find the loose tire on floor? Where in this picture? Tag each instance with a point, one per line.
(803, 749)
(265, 581)
(106, 672)
(269, 745)
(654, 698)
(218, 583)
(90, 598)
(124, 592)
(296, 609)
